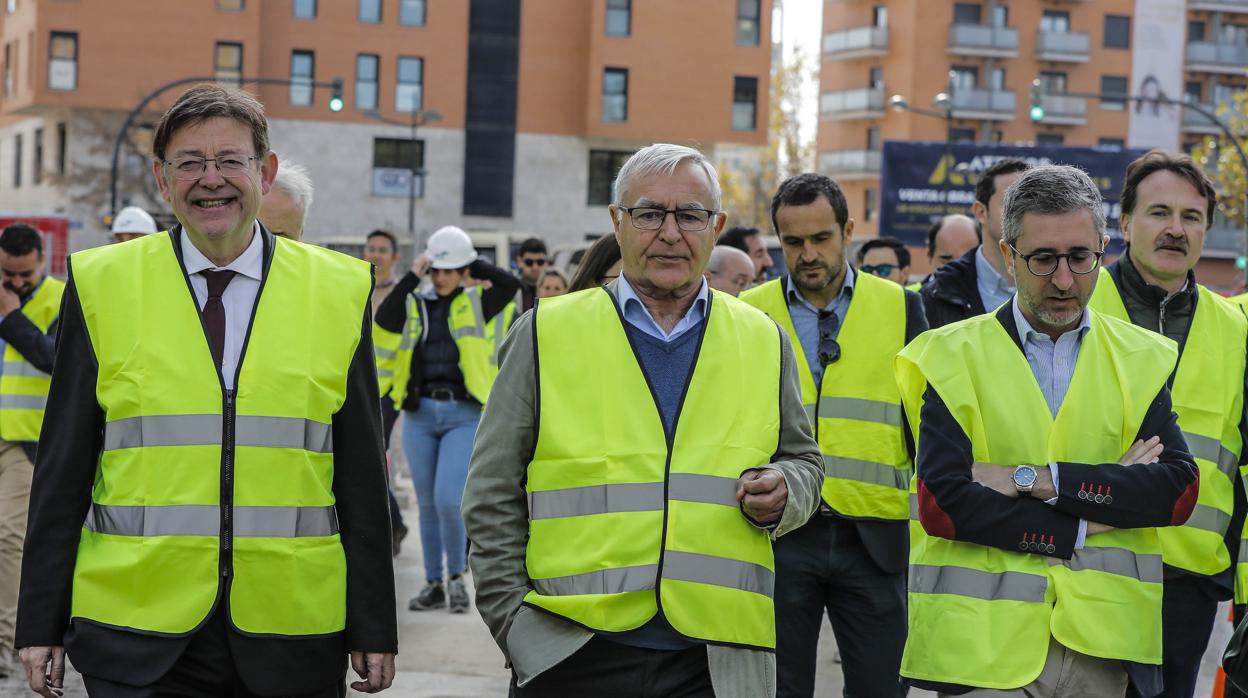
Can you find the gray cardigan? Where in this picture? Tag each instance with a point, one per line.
(495, 512)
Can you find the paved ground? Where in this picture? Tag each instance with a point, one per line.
(453, 656)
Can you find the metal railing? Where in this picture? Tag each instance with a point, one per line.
(983, 100)
(1232, 57)
(1058, 45)
(983, 38)
(851, 101)
(843, 161)
(855, 40)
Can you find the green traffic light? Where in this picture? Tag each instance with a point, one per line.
(1241, 262)
(335, 104)
(1037, 113)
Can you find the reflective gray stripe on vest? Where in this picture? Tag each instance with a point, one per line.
(478, 318)
(205, 430)
(613, 581)
(914, 507)
(866, 471)
(977, 584)
(383, 353)
(718, 571)
(862, 410)
(385, 373)
(1119, 561)
(626, 497)
(810, 412)
(1212, 450)
(1243, 552)
(1208, 518)
(23, 369)
(23, 402)
(205, 520)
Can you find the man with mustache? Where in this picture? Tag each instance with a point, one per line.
(1167, 207)
(849, 559)
(1048, 455)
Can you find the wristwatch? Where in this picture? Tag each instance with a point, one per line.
(1024, 478)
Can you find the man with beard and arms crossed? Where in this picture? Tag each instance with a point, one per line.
(1048, 455)
(621, 533)
(977, 282)
(1167, 207)
(850, 558)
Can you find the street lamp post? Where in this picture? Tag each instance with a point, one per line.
(944, 103)
(419, 118)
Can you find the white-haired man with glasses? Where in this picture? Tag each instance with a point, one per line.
(1048, 456)
(643, 446)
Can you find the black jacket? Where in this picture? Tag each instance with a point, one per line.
(952, 293)
(71, 443)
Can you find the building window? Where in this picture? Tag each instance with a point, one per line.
(1050, 139)
(302, 72)
(603, 166)
(408, 91)
(17, 161)
(398, 165)
(228, 63)
(10, 6)
(869, 204)
(875, 77)
(879, 16)
(230, 5)
(1195, 31)
(1000, 16)
(873, 138)
(745, 104)
(1113, 85)
(63, 61)
(1117, 31)
(412, 13)
(9, 69)
(963, 77)
(1052, 82)
(619, 17)
(1055, 21)
(62, 144)
(1111, 143)
(615, 94)
(36, 175)
(366, 67)
(962, 135)
(749, 13)
(370, 11)
(967, 13)
(305, 9)
(1194, 91)
(996, 78)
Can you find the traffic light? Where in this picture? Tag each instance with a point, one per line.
(1241, 262)
(1037, 101)
(335, 97)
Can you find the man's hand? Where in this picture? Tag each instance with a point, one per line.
(376, 668)
(995, 477)
(47, 681)
(1143, 452)
(763, 494)
(10, 302)
(421, 265)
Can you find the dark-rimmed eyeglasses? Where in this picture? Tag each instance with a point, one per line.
(530, 262)
(690, 220)
(191, 169)
(1045, 263)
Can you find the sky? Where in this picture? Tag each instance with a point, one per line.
(803, 26)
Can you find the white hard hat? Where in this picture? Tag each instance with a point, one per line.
(450, 248)
(133, 219)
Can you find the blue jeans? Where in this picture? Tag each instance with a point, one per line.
(437, 440)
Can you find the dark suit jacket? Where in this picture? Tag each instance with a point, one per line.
(70, 446)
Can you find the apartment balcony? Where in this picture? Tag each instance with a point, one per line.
(1064, 111)
(1067, 47)
(1223, 241)
(984, 104)
(850, 164)
(843, 105)
(859, 42)
(983, 40)
(1195, 122)
(1218, 5)
(1205, 57)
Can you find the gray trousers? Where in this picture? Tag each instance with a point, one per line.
(1066, 673)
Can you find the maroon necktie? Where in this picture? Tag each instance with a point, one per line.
(214, 311)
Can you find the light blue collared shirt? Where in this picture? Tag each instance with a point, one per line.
(805, 318)
(1053, 365)
(994, 289)
(636, 314)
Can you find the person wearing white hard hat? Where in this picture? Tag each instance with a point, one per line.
(434, 349)
(132, 222)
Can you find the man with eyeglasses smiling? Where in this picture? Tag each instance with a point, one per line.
(1048, 456)
(848, 560)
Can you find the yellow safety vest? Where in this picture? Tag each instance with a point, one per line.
(857, 409)
(183, 457)
(468, 328)
(1209, 399)
(982, 616)
(385, 355)
(24, 388)
(624, 518)
(496, 329)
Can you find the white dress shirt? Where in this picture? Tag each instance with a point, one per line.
(238, 299)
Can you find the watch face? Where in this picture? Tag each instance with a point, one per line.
(1025, 477)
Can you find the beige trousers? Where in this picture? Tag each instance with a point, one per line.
(15, 473)
(1066, 674)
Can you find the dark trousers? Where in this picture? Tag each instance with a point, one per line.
(206, 668)
(606, 669)
(823, 567)
(1187, 615)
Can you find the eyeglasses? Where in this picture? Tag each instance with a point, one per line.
(878, 269)
(191, 169)
(1045, 263)
(690, 220)
(829, 348)
(533, 262)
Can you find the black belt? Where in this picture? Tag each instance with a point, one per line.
(444, 394)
